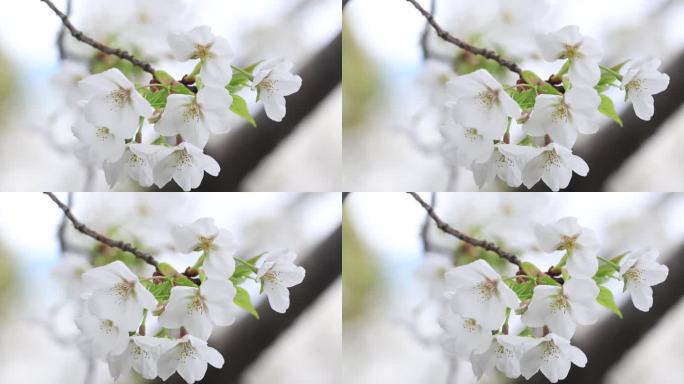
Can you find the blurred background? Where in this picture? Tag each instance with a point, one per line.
(392, 99)
(390, 284)
(302, 153)
(37, 331)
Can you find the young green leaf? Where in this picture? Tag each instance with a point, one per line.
(164, 77)
(606, 299)
(243, 300)
(531, 77)
(608, 108)
(167, 269)
(548, 280)
(548, 89)
(160, 291)
(530, 269)
(239, 107)
(184, 281)
(525, 99)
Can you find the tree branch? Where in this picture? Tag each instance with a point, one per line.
(61, 231)
(127, 247)
(446, 36)
(427, 247)
(486, 245)
(62, 32)
(426, 31)
(80, 36)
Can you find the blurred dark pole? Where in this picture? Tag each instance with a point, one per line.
(246, 147)
(249, 337)
(344, 3)
(608, 150)
(611, 339)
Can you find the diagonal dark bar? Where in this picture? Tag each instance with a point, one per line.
(248, 146)
(249, 337)
(610, 340)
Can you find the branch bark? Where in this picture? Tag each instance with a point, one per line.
(446, 36)
(127, 247)
(80, 36)
(249, 338)
(486, 245)
(247, 146)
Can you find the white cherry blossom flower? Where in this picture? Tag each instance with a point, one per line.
(582, 245)
(69, 272)
(552, 354)
(463, 145)
(274, 80)
(113, 102)
(563, 308)
(137, 163)
(432, 270)
(277, 273)
(477, 291)
(189, 356)
(641, 81)
(101, 336)
(97, 144)
(185, 164)
(563, 117)
(584, 53)
(195, 117)
(505, 162)
(640, 271)
(478, 100)
(504, 352)
(198, 309)
(554, 164)
(214, 52)
(463, 336)
(67, 77)
(113, 292)
(141, 354)
(218, 244)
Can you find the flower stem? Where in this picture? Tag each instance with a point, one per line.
(242, 71)
(250, 266)
(610, 263)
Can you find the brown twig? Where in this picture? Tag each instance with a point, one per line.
(446, 36)
(80, 36)
(61, 232)
(127, 247)
(427, 247)
(486, 245)
(62, 32)
(426, 31)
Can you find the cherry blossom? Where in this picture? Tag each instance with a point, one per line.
(554, 164)
(581, 244)
(505, 163)
(69, 272)
(97, 144)
(477, 291)
(641, 81)
(141, 355)
(189, 356)
(114, 293)
(463, 336)
(504, 352)
(185, 164)
(218, 244)
(113, 102)
(552, 354)
(214, 53)
(584, 53)
(562, 308)
(278, 273)
(640, 271)
(102, 336)
(136, 163)
(465, 146)
(274, 80)
(432, 270)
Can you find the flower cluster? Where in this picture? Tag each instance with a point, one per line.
(477, 318)
(174, 118)
(480, 112)
(158, 325)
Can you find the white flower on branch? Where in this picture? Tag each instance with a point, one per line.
(189, 356)
(218, 244)
(563, 117)
(113, 292)
(640, 271)
(97, 144)
(277, 273)
(641, 81)
(552, 354)
(198, 309)
(141, 355)
(465, 146)
(137, 163)
(554, 164)
(563, 308)
(584, 54)
(463, 336)
(581, 244)
(504, 353)
(478, 100)
(505, 162)
(214, 53)
(274, 80)
(195, 117)
(185, 164)
(101, 336)
(113, 102)
(477, 291)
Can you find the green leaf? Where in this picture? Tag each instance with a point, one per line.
(530, 269)
(167, 269)
(548, 89)
(525, 99)
(243, 301)
(606, 270)
(531, 77)
(184, 281)
(608, 77)
(241, 77)
(164, 77)
(617, 68)
(239, 107)
(608, 108)
(606, 299)
(156, 99)
(523, 290)
(160, 291)
(181, 89)
(548, 280)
